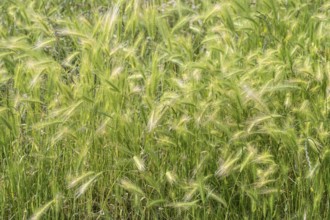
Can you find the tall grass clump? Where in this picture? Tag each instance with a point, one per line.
(139, 109)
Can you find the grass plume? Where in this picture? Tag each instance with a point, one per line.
(157, 109)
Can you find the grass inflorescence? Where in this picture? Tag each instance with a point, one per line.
(165, 109)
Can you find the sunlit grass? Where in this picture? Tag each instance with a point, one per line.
(164, 109)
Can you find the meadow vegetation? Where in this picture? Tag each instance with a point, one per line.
(182, 109)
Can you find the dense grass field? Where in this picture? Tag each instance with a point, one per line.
(151, 109)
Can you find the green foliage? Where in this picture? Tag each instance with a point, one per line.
(164, 109)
